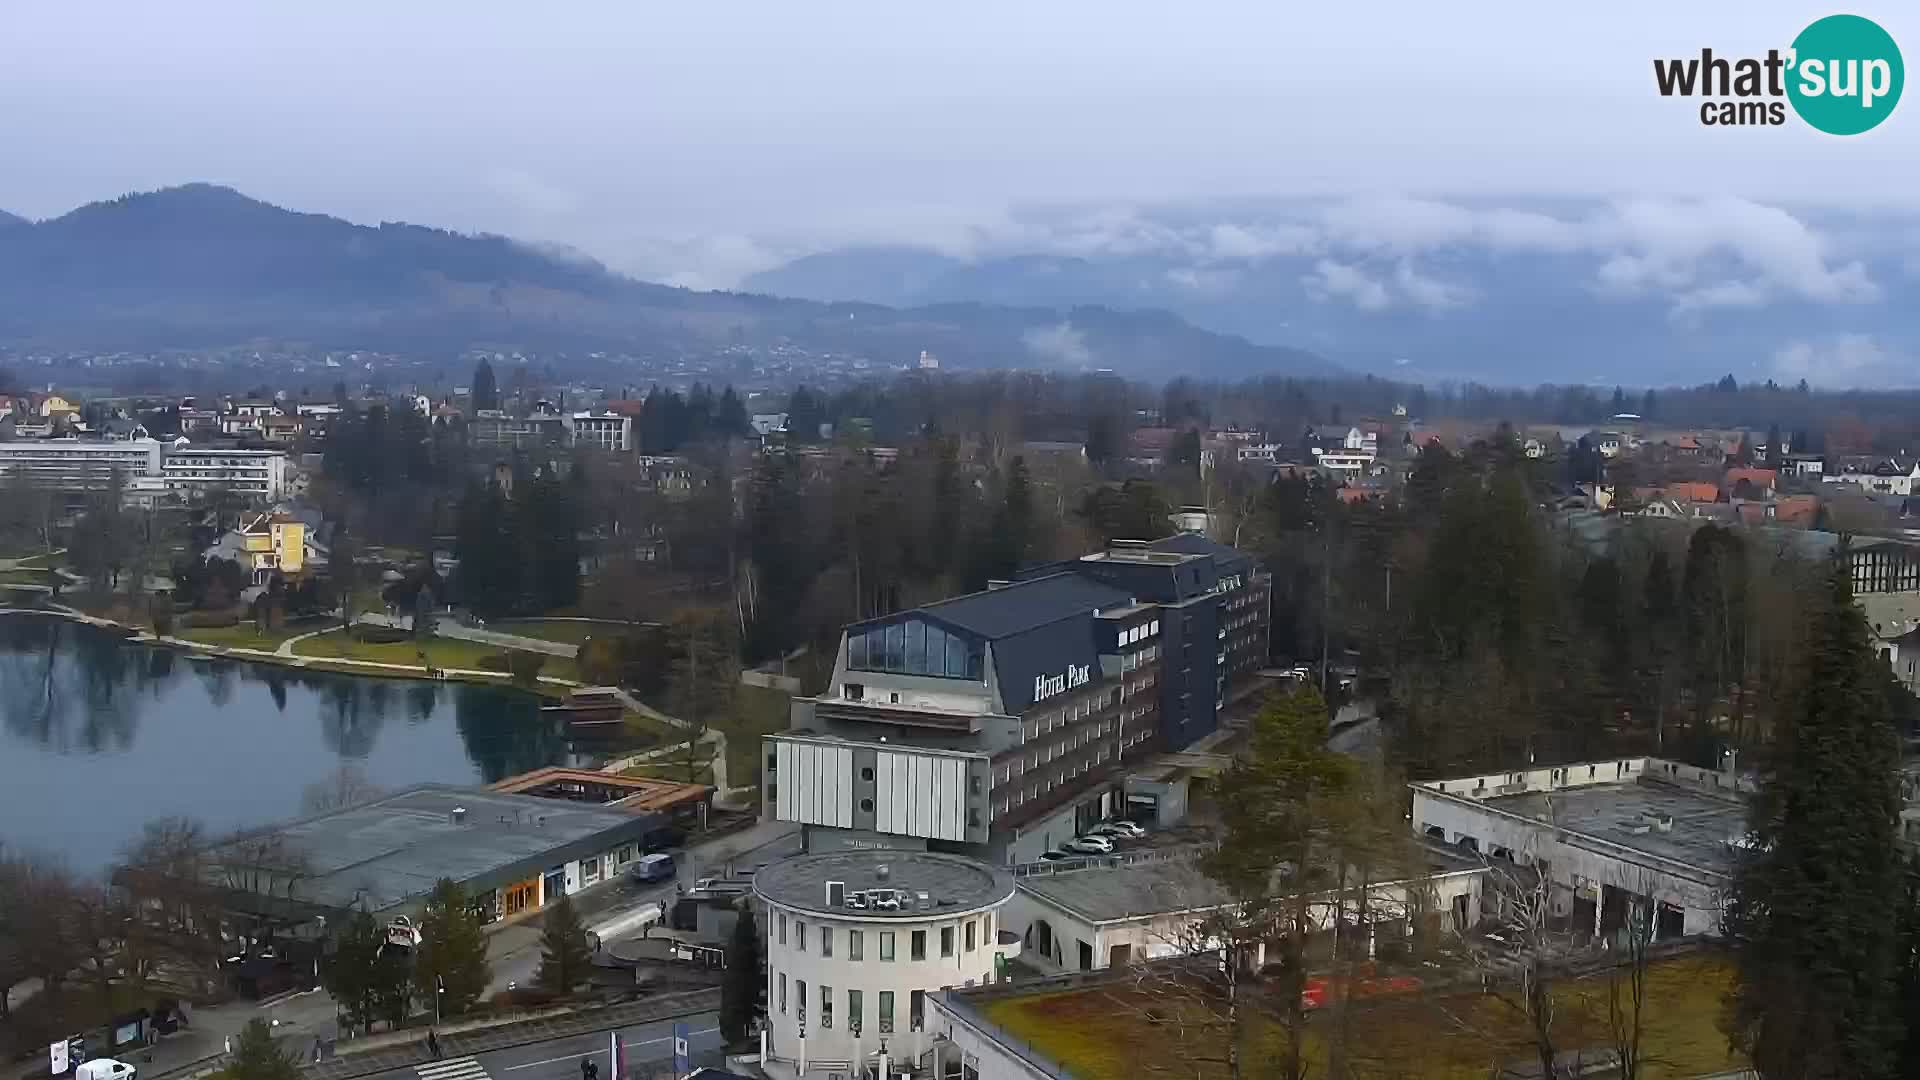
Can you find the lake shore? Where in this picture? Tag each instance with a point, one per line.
(547, 686)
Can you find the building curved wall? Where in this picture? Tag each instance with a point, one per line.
(829, 1036)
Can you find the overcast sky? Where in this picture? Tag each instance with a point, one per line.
(696, 142)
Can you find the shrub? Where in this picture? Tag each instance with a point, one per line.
(211, 620)
(525, 666)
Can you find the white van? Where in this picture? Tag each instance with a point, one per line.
(104, 1069)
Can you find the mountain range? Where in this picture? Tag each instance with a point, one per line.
(1633, 291)
(205, 266)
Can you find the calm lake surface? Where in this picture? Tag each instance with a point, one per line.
(98, 736)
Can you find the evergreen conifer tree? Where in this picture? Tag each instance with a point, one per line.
(740, 993)
(565, 954)
(1815, 909)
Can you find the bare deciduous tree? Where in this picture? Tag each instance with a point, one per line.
(348, 785)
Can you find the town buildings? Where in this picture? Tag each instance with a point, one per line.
(1612, 836)
(606, 431)
(195, 470)
(856, 942)
(1005, 722)
(73, 465)
(514, 854)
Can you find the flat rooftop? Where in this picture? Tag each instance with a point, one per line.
(633, 794)
(395, 848)
(953, 884)
(1621, 813)
(1106, 893)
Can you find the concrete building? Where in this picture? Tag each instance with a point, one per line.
(856, 942)
(514, 854)
(1608, 834)
(495, 430)
(1005, 722)
(608, 431)
(1088, 917)
(73, 465)
(195, 470)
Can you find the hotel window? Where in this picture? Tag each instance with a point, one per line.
(886, 1012)
(853, 1010)
(799, 936)
(856, 945)
(826, 1005)
(969, 935)
(783, 928)
(946, 941)
(800, 999)
(826, 941)
(918, 949)
(886, 945)
(916, 1010)
(783, 993)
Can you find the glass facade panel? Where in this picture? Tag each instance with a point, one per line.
(957, 657)
(936, 662)
(856, 650)
(896, 647)
(916, 646)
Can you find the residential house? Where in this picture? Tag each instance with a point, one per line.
(280, 429)
(1808, 465)
(1690, 491)
(1609, 443)
(265, 545)
(1759, 482)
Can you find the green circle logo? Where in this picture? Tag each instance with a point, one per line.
(1846, 75)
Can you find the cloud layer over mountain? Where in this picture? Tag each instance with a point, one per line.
(1628, 289)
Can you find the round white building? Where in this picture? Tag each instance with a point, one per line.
(855, 940)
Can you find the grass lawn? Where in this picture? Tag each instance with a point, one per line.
(757, 711)
(566, 633)
(242, 635)
(440, 652)
(26, 577)
(674, 767)
(1097, 1033)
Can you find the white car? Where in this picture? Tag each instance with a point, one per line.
(1118, 830)
(104, 1069)
(1090, 845)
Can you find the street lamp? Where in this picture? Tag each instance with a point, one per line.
(439, 988)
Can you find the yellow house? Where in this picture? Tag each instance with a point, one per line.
(274, 542)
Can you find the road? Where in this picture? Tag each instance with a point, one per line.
(622, 912)
(559, 1059)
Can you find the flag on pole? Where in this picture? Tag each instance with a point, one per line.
(613, 1055)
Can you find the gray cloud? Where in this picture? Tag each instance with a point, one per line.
(1059, 344)
(1845, 360)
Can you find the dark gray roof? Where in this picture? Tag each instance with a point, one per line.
(1109, 893)
(395, 848)
(953, 884)
(1144, 889)
(1024, 605)
(1186, 543)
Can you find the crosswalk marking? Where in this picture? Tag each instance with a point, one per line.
(464, 1068)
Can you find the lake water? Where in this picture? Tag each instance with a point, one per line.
(98, 736)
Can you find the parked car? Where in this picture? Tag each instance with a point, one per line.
(1055, 855)
(104, 1069)
(657, 867)
(1120, 829)
(1090, 845)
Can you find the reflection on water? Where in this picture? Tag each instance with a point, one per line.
(100, 736)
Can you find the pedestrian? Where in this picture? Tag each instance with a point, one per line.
(433, 1043)
(316, 1049)
(586, 1069)
(229, 1045)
